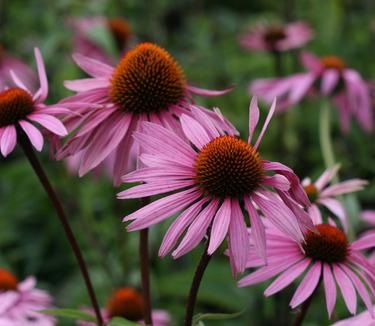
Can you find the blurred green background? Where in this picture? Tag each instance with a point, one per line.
(203, 36)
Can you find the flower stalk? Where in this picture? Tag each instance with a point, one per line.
(38, 169)
(145, 269)
(192, 299)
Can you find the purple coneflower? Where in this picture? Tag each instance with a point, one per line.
(320, 193)
(19, 107)
(127, 303)
(273, 37)
(327, 76)
(327, 256)
(146, 85)
(20, 302)
(216, 176)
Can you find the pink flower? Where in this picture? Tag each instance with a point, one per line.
(18, 106)
(214, 175)
(128, 303)
(266, 37)
(320, 194)
(9, 63)
(85, 29)
(363, 319)
(331, 258)
(20, 302)
(327, 76)
(147, 85)
(369, 217)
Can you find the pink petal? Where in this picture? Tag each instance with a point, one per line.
(277, 181)
(93, 67)
(238, 237)
(253, 117)
(329, 289)
(310, 62)
(265, 125)
(220, 226)
(207, 92)
(257, 229)
(330, 79)
(365, 242)
(361, 288)
(42, 75)
(338, 209)
(179, 225)
(326, 177)
(287, 277)
(87, 84)
(194, 131)
(344, 187)
(269, 271)
(105, 140)
(8, 140)
(307, 286)
(161, 209)
(346, 288)
(206, 122)
(197, 230)
(368, 216)
(49, 122)
(279, 214)
(315, 214)
(33, 134)
(18, 81)
(151, 189)
(302, 87)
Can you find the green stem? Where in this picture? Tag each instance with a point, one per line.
(325, 137)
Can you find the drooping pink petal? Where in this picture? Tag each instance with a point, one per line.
(277, 181)
(308, 285)
(238, 237)
(344, 187)
(194, 131)
(205, 121)
(49, 122)
(315, 214)
(105, 140)
(152, 174)
(329, 289)
(330, 79)
(179, 225)
(220, 226)
(208, 92)
(301, 88)
(197, 230)
(310, 62)
(87, 84)
(151, 189)
(269, 271)
(287, 277)
(346, 288)
(8, 140)
(93, 67)
(365, 242)
(337, 208)
(361, 288)
(368, 216)
(266, 123)
(279, 214)
(253, 117)
(257, 229)
(33, 134)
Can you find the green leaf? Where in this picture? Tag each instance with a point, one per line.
(69, 313)
(117, 321)
(197, 320)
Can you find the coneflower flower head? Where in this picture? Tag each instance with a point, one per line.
(216, 175)
(146, 85)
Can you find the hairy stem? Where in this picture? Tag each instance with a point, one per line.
(30, 154)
